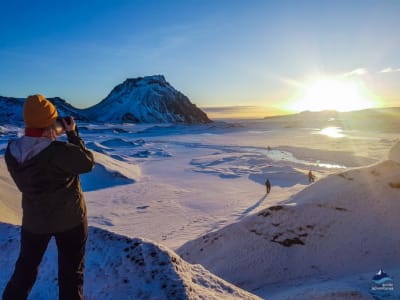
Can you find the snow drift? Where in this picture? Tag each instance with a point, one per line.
(109, 172)
(118, 267)
(10, 197)
(343, 224)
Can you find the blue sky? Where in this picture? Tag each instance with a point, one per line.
(217, 52)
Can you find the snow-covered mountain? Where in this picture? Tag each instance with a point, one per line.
(343, 224)
(11, 110)
(66, 109)
(148, 99)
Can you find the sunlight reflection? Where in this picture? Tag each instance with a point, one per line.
(333, 132)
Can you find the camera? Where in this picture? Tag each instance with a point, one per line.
(67, 120)
(59, 125)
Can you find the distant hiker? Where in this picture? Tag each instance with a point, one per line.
(311, 177)
(268, 186)
(47, 171)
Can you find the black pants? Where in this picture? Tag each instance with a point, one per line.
(71, 263)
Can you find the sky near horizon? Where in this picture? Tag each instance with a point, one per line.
(217, 52)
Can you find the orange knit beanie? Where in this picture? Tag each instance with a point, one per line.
(39, 112)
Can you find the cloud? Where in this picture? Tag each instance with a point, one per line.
(389, 70)
(356, 72)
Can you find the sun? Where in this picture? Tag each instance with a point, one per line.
(333, 94)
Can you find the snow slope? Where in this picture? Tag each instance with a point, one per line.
(394, 153)
(109, 172)
(10, 204)
(344, 224)
(118, 267)
(148, 99)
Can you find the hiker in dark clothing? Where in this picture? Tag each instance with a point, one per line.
(47, 171)
(311, 177)
(268, 186)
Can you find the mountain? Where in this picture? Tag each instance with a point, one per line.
(148, 99)
(11, 110)
(381, 119)
(341, 225)
(66, 109)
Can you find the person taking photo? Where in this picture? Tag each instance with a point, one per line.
(46, 171)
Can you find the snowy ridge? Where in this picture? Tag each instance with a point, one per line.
(118, 267)
(11, 110)
(66, 109)
(149, 99)
(343, 224)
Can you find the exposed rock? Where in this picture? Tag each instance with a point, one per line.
(148, 99)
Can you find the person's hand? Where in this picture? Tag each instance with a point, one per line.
(71, 126)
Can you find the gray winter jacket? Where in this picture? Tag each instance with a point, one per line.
(47, 174)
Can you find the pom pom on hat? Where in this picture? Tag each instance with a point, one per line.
(39, 112)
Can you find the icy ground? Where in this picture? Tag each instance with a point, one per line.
(174, 183)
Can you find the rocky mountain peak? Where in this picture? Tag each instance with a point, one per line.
(149, 99)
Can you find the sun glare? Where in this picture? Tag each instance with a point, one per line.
(333, 132)
(333, 94)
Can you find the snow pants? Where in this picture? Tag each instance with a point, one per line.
(71, 263)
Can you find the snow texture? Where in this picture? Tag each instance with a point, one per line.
(109, 172)
(203, 186)
(118, 267)
(343, 224)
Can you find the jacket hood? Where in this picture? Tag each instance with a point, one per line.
(27, 147)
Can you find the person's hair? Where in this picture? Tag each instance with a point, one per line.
(50, 132)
